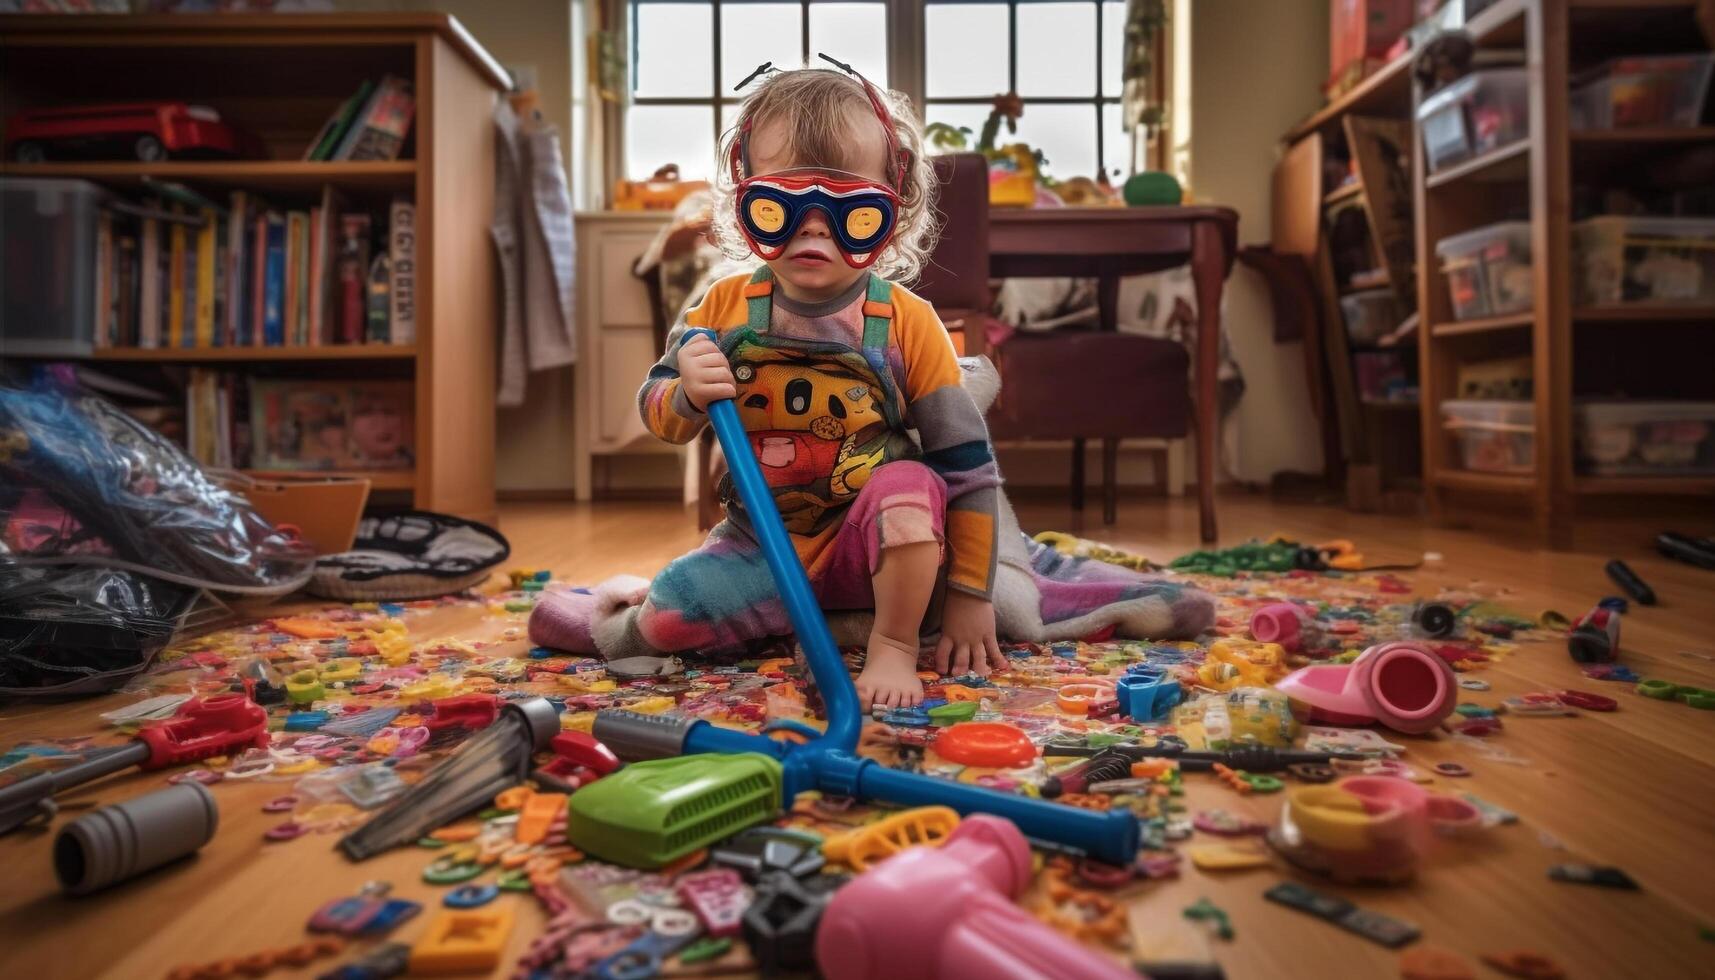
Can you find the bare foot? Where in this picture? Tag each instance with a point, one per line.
(889, 675)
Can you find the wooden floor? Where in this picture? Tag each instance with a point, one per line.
(1635, 789)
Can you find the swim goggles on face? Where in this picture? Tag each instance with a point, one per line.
(860, 213)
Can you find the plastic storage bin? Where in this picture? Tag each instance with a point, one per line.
(1488, 270)
(1485, 110)
(1644, 260)
(1493, 436)
(1370, 315)
(47, 279)
(1645, 438)
(1659, 90)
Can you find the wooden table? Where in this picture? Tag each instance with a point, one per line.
(1108, 243)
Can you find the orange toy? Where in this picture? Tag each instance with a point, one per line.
(539, 813)
(1076, 699)
(306, 629)
(859, 848)
(994, 744)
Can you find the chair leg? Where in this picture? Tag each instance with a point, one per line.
(1110, 479)
(1077, 474)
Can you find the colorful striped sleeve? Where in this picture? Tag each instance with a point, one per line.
(955, 443)
(666, 412)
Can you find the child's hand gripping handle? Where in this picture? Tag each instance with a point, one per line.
(844, 716)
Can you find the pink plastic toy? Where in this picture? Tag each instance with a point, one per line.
(1283, 623)
(1403, 685)
(948, 912)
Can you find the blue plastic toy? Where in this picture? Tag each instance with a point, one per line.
(828, 761)
(1146, 693)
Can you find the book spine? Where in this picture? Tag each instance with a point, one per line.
(315, 275)
(353, 276)
(233, 293)
(258, 274)
(193, 249)
(379, 303)
(289, 310)
(126, 294)
(402, 250)
(149, 286)
(274, 287)
(301, 259)
(176, 283)
(208, 256)
(102, 300)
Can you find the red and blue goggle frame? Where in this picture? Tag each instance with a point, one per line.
(860, 213)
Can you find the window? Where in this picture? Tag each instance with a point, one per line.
(1063, 58)
(687, 55)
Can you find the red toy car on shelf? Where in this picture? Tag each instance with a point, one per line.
(147, 131)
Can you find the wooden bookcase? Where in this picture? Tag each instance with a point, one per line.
(280, 76)
(1573, 350)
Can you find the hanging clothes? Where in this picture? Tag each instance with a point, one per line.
(533, 240)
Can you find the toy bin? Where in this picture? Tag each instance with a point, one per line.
(1370, 315)
(47, 280)
(1488, 270)
(1645, 438)
(1493, 436)
(1659, 90)
(1645, 260)
(1485, 110)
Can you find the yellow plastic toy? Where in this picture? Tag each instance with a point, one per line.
(1016, 189)
(858, 849)
(431, 688)
(467, 941)
(342, 670)
(1228, 666)
(305, 687)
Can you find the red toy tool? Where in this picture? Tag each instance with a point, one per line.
(468, 711)
(579, 759)
(1595, 638)
(202, 729)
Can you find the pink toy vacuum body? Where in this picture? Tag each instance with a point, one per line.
(947, 913)
(1285, 624)
(1403, 685)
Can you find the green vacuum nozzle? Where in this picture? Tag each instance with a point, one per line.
(653, 813)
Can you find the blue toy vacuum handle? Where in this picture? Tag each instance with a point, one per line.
(844, 713)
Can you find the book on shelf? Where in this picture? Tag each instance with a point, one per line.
(332, 131)
(377, 131)
(402, 254)
(354, 232)
(175, 271)
(378, 304)
(331, 425)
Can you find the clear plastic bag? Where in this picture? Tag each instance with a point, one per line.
(73, 630)
(82, 482)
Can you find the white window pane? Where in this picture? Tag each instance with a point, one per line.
(955, 115)
(656, 135)
(675, 49)
(752, 33)
(729, 116)
(1113, 48)
(1066, 135)
(1056, 49)
(1116, 144)
(855, 33)
(964, 49)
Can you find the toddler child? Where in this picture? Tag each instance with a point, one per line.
(830, 364)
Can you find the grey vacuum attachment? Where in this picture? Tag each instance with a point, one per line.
(496, 758)
(119, 842)
(634, 736)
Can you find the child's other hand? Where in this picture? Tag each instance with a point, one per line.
(704, 373)
(968, 643)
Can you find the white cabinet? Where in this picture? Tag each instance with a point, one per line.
(616, 340)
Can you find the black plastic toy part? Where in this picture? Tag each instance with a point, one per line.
(119, 842)
(1627, 579)
(1434, 619)
(380, 963)
(1100, 768)
(762, 851)
(780, 925)
(1250, 758)
(1692, 551)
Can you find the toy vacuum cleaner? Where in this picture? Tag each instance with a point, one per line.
(828, 761)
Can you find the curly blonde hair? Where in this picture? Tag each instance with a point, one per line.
(820, 109)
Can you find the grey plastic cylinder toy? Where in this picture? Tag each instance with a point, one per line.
(634, 737)
(119, 842)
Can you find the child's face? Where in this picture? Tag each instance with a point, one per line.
(811, 268)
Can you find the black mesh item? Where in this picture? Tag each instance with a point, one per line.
(410, 554)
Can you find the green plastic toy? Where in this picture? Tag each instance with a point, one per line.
(1696, 697)
(952, 713)
(1153, 188)
(653, 813)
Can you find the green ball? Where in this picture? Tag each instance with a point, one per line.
(1153, 188)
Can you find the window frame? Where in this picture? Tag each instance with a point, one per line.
(1098, 101)
(719, 98)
